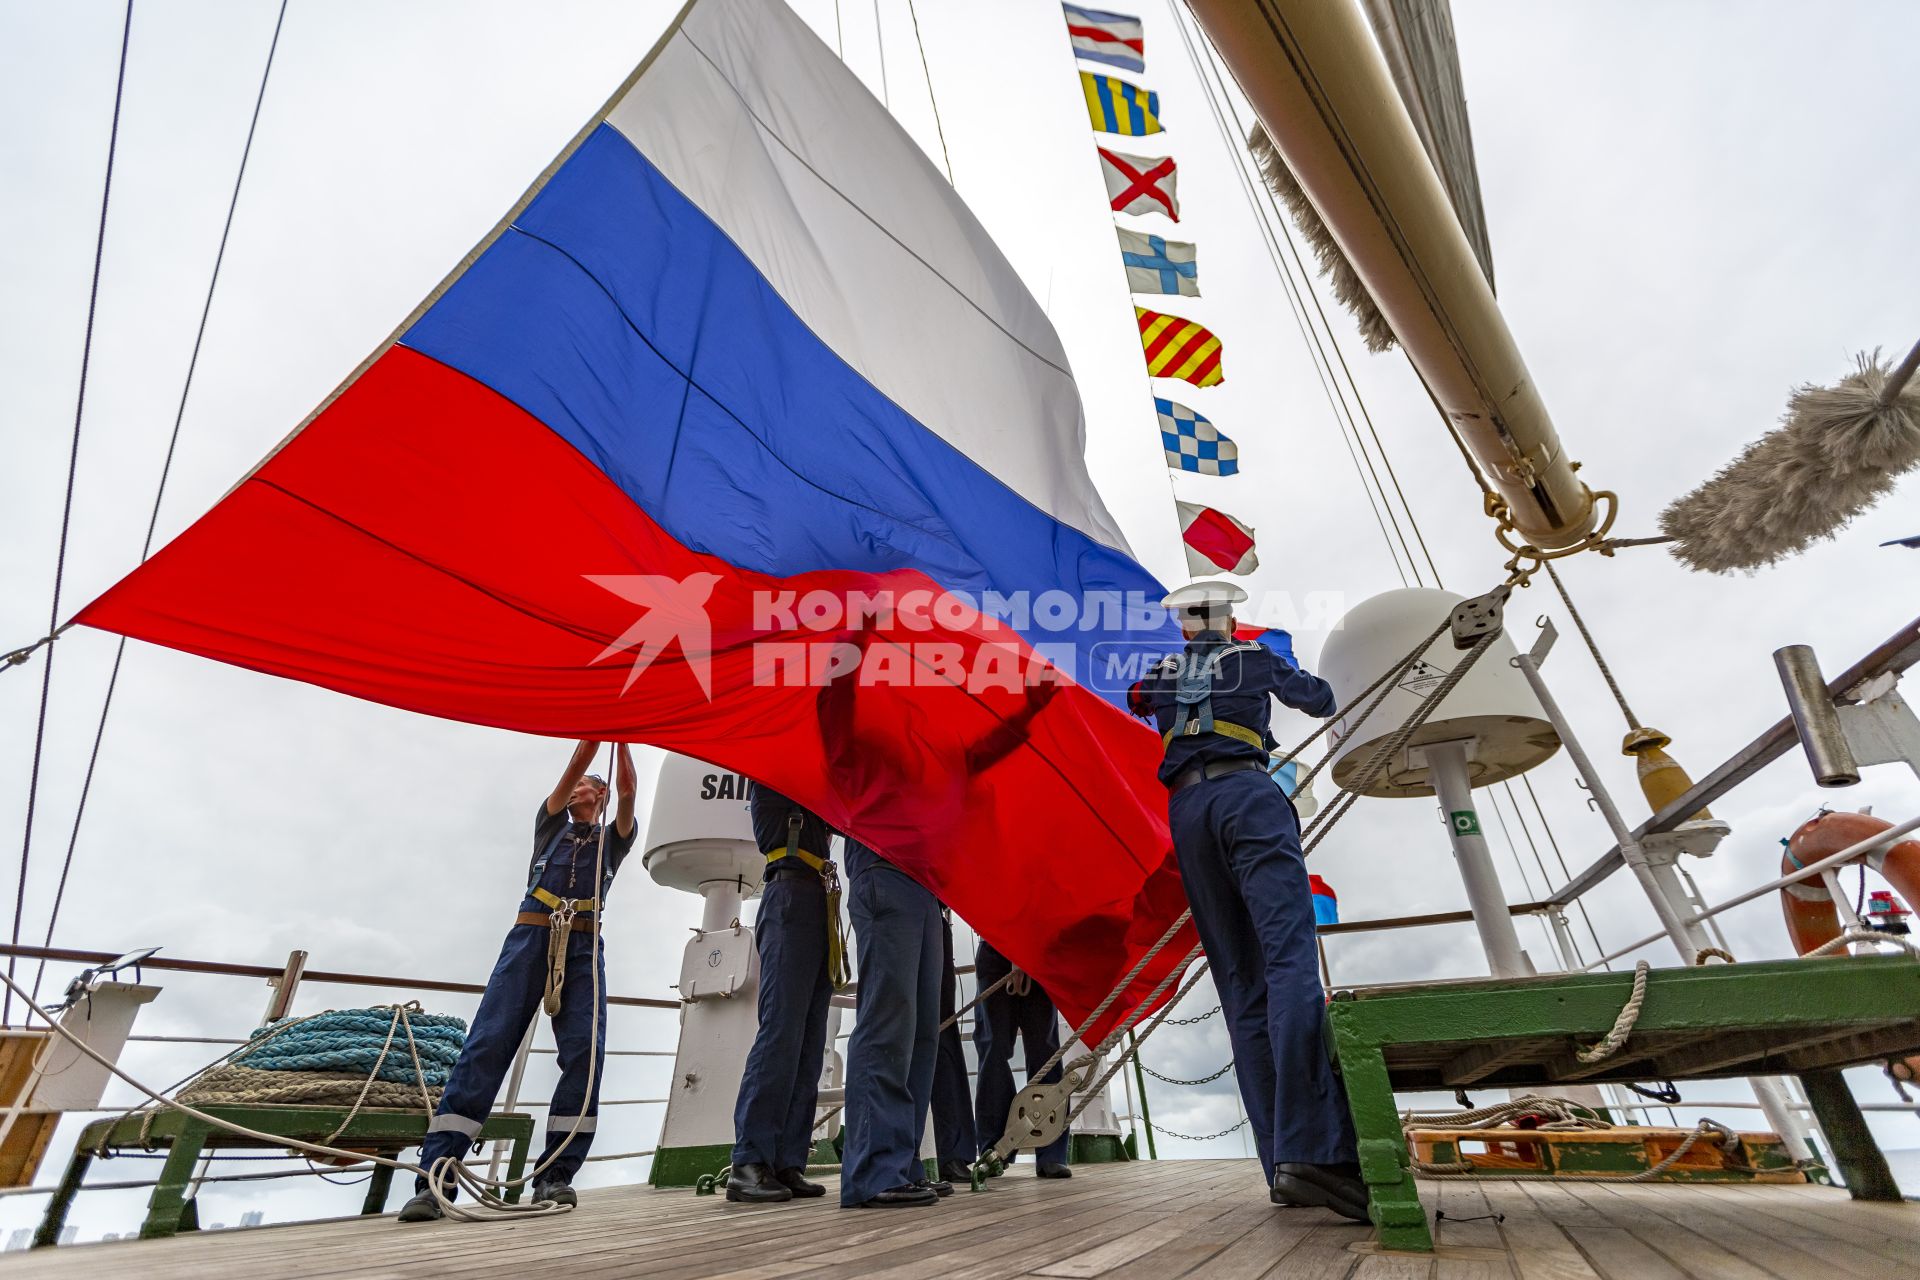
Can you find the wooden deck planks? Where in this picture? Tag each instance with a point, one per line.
(1166, 1220)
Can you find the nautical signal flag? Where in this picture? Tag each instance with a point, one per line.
(1112, 38)
(1155, 265)
(1179, 348)
(1140, 184)
(1326, 903)
(1114, 106)
(1215, 540)
(1194, 444)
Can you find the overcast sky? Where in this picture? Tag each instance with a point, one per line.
(1693, 207)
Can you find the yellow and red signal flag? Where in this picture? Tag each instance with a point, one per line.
(1179, 348)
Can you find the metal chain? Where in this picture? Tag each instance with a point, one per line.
(1202, 1080)
(1606, 672)
(1195, 1137)
(1187, 1022)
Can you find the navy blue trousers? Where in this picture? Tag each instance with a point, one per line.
(953, 1136)
(512, 997)
(773, 1116)
(1238, 844)
(890, 1057)
(996, 1020)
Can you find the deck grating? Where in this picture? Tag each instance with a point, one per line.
(1147, 1221)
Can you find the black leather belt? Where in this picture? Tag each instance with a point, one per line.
(1208, 772)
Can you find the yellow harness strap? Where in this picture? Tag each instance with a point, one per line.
(1224, 727)
(818, 864)
(837, 972)
(554, 902)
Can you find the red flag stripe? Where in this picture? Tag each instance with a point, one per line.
(1191, 348)
(1101, 33)
(1205, 367)
(1167, 336)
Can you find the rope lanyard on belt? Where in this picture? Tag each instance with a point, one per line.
(562, 921)
(837, 972)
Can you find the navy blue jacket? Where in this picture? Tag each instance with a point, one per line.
(1247, 676)
(771, 812)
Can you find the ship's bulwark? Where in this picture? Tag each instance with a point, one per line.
(743, 345)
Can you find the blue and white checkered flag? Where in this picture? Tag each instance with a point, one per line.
(1194, 444)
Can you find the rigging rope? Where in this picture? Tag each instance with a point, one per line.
(1633, 721)
(160, 491)
(928, 73)
(1237, 147)
(1307, 335)
(66, 507)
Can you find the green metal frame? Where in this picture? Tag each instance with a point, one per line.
(186, 1139)
(1806, 1017)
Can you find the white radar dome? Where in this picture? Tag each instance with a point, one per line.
(1492, 704)
(700, 832)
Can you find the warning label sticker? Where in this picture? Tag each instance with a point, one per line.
(1424, 677)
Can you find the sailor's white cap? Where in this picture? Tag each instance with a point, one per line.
(1211, 594)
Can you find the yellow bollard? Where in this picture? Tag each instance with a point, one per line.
(1662, 779)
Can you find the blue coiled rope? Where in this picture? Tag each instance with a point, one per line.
(350, 1040)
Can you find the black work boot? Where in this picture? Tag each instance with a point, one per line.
(956, 1171)
(422, 1208)
(942, 1188)
(1052, 1169)
(756, 1184)
(555, 1190)
(795, 1180)
(1328, 1186)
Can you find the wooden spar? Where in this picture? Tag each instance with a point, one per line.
(1316, 79)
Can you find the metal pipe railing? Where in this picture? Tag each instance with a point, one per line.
(1812, 869)
(226, 969)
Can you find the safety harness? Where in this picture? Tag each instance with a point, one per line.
(830, 877)
(1193, 699)
(565, 916)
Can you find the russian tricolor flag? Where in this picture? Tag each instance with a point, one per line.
(737, 366)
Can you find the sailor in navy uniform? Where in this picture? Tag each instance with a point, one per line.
(1021, 1009)
(547, 960)
(954, 1141)
(1237, 839)
(799, 905)
(895, 1042)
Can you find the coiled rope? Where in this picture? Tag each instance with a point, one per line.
(1610, 1043)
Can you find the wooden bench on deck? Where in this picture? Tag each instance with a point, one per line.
(385, 1132)
(1809, 1018)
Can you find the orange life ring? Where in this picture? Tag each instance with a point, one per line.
(1813, 920)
